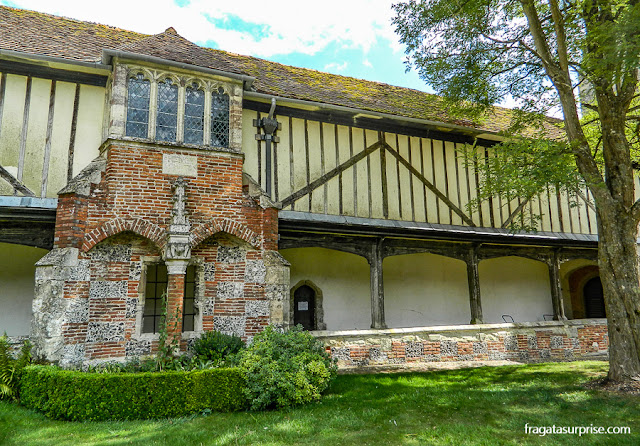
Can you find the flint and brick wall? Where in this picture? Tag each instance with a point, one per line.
(521, 342)
(92, 284)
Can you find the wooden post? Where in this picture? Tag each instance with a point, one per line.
(556, 289)
(377, 287)
(474, 286)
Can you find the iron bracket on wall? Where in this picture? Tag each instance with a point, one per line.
(269, 126)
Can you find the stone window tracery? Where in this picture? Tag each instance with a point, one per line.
(220, 119)
(167, 111)
(162, 106)
(139, 93)
(194, 115)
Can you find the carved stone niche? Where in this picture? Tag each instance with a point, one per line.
(178, 243)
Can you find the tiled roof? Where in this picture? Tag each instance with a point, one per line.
(44, 34)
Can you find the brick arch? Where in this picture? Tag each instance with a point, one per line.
(227, 225)
(117, 225)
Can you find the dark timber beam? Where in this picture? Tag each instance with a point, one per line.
(377, 287)
(355, 119)
(473, 279)
(13, 181)
(556, 289)
(311, 186)
(56, 74)
(430, 186)
(352, 245)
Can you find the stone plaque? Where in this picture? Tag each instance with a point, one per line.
(183, 165)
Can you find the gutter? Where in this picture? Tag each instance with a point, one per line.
(10, 54)
(342, 108)
(107, 55)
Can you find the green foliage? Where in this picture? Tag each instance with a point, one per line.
(478, 406)
(165, 356)
(11, 368)
(77, 396)
(477, 53)
(518, 171)
(217, 347)
(179, 363)
(285, 369)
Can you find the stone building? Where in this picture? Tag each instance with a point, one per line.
(254, 193)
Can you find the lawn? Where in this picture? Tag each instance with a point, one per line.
(488, 405)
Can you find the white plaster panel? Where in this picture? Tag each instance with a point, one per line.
(515, 286)
(17, 282)
(425, 289)
(343, 279)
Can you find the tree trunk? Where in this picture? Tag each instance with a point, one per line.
(618, 261)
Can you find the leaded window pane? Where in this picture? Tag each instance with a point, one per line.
(220, 119)
(167, 119)
(138, 95)
(194, 115)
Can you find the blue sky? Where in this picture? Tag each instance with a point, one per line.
(347, 37)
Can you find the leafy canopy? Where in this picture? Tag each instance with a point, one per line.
(476, 53)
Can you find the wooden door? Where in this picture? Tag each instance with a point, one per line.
(304, 305)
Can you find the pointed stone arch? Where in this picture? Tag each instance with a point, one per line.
(318, 309)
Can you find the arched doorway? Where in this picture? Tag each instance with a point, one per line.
(593, 298)
(304, 305)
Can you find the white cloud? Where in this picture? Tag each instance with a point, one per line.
(293, 26)
(335, 67)
(367, 63)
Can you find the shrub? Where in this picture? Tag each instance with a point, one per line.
(78, 396)
(11, 367)
(217, 347)
(135, 365)
(285, 369)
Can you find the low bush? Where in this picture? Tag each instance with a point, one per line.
(11, 367)
(78, 396)
(217, 347)
(284, 369)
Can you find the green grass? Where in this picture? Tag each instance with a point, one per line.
(461, 407)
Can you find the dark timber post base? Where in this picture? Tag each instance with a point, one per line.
(556, 290)
(377, 288)
(474, 286)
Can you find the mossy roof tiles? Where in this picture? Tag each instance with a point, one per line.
(44, 34)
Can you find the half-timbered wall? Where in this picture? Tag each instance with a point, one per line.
(343, 170)
(49, 131)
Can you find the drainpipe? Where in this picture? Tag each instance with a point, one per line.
(269, 125)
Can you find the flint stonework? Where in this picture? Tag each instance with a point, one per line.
(231, 325)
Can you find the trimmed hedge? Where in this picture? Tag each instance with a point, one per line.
(78, 396)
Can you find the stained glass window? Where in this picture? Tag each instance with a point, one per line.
(194, 115)
(220, 119)
(167, 119)
(138, 107)
(155, 289)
